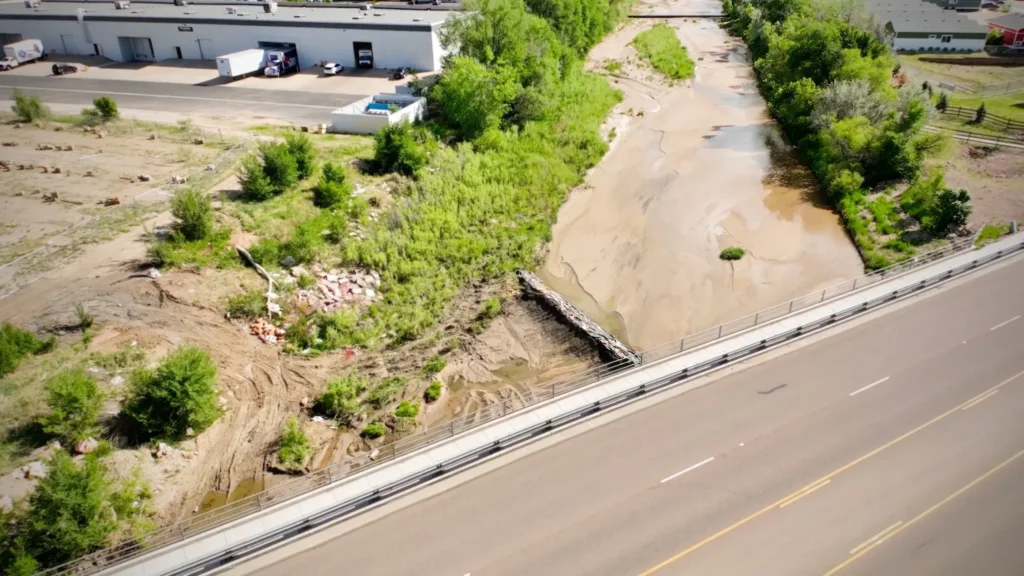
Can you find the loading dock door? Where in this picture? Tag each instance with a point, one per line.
(136, 49)
(69, 44)
(206, 50)
(357, 47)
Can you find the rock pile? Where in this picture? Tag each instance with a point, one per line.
(338, 289)
(266, 331)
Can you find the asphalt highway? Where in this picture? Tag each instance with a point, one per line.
(290, 106)
(893, 447)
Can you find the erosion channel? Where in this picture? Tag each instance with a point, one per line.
(694, 167)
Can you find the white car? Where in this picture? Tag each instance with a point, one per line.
(333, 69)
(8, 63)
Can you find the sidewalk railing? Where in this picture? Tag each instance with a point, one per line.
(199, 523)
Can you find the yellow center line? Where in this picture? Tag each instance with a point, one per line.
(877, 538)
(979, 399)
(917, 518)
(802, 494)
(828, 476)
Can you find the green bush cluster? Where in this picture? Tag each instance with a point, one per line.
(940, 209)
(294, 448)
(28, 107)
(194, 214)
(276, 167)
(104, 109)
(374, 430)
(827, 80)
(333, 190)
(660, 47)
(732, 253)
(433, 392)
(16, 343)
(384, 392)
(75, 401)
(248, 306)
(179, 394)
(433, 366)
(400, 148)
(73, 511)
(341, 399)
(407, 409)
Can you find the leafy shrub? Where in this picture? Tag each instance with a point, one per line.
(29, 108)
(341, 399)
(255, 184)
(395, 149)
(16, 343)
(305, 243)
(333, 189)
(300, 147)
(897, 245)
(407, 409)
(433, 392)
(279, 165)
(473, 97)
(85, 318)
(75, 402)
(660, 47)
(732, 253)
(374, 430)
(180, 393)
(194, 212)
(883, 210)
(950, 212)
(433, 366)
(251, 305)
(106, 107)
(876, 260)
(294, 447)
(385, 392)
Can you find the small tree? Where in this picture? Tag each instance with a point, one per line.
(280, 166)
(995, 37)
(943, 102)
(16, 343)
(301, 149)
(106, 107)
(194, 212)
(980, 113)
(254, 182)
(340, 400)
(29, 108)
(333, 189)
(950, 212)
(395, 149)
(75, 401)
(294, 447)
(179, 394)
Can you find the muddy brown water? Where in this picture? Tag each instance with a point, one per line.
(215, 499)
(704, 168)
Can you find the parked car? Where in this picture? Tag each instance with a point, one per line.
(400, 73)
(63, 68)
(333, 68)
(8, 63)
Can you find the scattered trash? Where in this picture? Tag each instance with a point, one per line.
(143, 177)
(190, 432)
(153, 273)
(266, 331)
(318, 419)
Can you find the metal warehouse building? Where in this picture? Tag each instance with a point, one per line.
(152, 32)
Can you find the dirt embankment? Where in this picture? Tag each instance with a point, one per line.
(693, 168)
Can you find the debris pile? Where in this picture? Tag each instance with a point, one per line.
(177, 179)
(144, 177)
(266, 331)
(334, 289)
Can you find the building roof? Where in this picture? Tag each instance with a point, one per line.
(248, 13)
(930, 22)
(1011, 21)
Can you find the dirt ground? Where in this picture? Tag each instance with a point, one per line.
(992, 176)
(693, 168)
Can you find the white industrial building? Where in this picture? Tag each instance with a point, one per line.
(153, 32)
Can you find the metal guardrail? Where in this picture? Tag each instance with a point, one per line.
(178, 532)
(401, 485)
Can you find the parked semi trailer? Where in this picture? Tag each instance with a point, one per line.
(242, 63)
(281, 61)
(22, 52)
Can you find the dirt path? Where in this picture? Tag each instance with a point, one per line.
(701, 168)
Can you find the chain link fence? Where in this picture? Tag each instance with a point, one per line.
(199, 523)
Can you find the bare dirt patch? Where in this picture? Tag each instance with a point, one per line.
(991, 175)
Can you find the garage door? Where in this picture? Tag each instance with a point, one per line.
(206, 50)
(143, 49)
(6, 39)
(69, 43)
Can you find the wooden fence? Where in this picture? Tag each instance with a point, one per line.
(991, 121)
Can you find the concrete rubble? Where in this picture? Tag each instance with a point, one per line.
(162, 450)
(34, 471)
(336, 289)
(266, 331)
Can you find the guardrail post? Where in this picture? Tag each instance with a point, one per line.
(259, 500)
(822, 296)
(719, 331)
(756, 317)
(855, 282)
(452, 426)
(181, 529)
(330, 475)
(791, 302)
(552, 389)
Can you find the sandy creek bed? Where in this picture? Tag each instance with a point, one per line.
(703, 168)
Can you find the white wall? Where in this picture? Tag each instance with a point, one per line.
(391, 49)
(352, 120)
(923, 43)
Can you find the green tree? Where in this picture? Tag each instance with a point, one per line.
(294, 447)
(301, 149)
(194, 212)
(75, 402)
(341, 399)
(28, 107)
(473, 97)
(943, 102)
(254, 182)
(980, 113)
(949, 212)
(995, 37)
(279, 165)
(333, 189)
(395, 149)
(179, 394)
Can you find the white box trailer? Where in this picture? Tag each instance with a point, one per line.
(241, 63)
(24, 51)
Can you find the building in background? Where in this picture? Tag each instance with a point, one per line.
(1012, 27)
(923, 26)
(152, 32)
